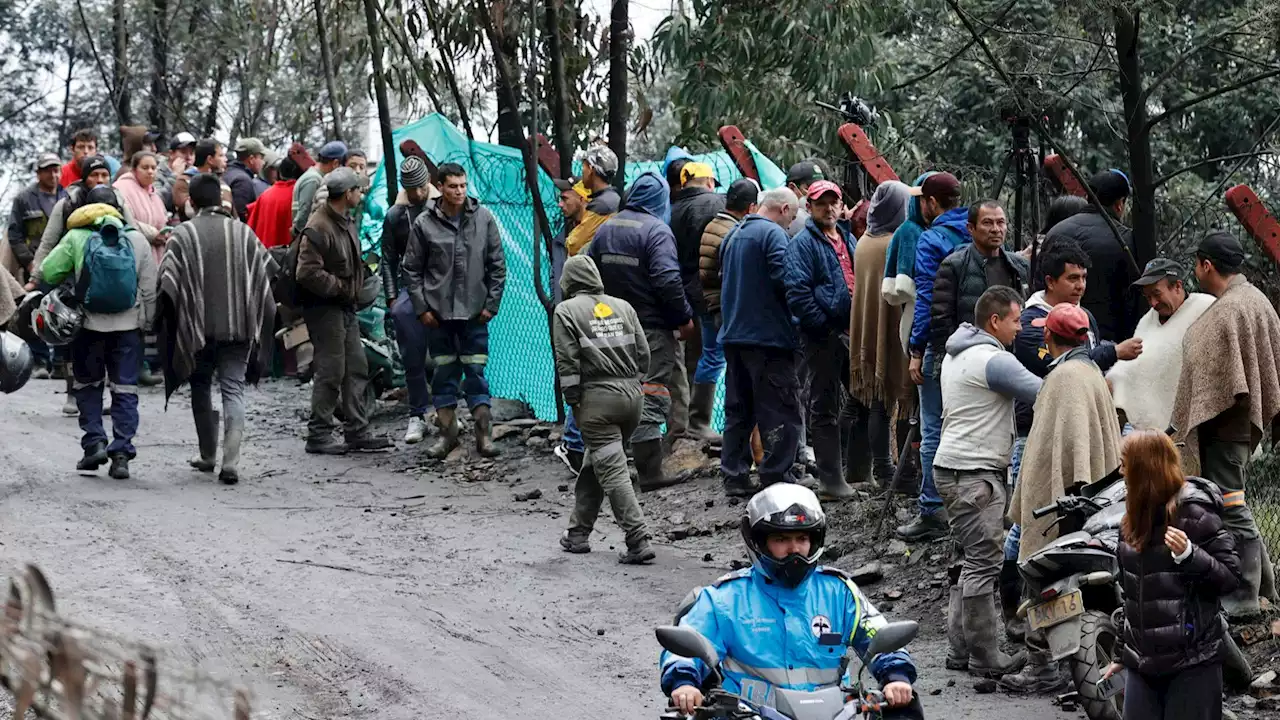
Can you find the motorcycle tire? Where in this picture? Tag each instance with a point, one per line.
(1098, 643)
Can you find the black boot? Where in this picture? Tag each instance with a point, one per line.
(925, 528)
(857, 463)
(743, 486)
(119, 466)
(94, 457)
(1015, 628)
(648, 455)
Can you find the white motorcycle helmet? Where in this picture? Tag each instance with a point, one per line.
(784, 508)
(16, 362)
(57, 317)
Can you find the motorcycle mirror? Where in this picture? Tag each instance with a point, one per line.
(687, 642)
(893, 637)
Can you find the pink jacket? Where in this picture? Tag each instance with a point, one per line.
(147, 207)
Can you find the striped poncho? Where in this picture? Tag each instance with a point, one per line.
(215, 286)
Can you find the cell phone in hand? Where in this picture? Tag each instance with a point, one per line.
(1113, 685)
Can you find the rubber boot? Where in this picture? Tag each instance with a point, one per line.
(1015, 628)
(648, 456)
(447, 421)
(484, 432)
(1243, 602)
(957, 651)
(830, 455)
(701, 403)
(980, 635)
(1041, 675)
(207, 437)
(743, 486)
(857, 463)
(232, 439)
(925, 528)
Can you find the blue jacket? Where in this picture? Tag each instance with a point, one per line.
(949, 231)
(816, 290)
(636, 254)
(768, 636)
(753, 286)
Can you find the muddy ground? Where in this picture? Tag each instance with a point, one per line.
(387, 586)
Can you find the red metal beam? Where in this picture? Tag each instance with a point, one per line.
(1256, 219)
(863, 151)
(548, 158)
(1067, 181)
(736, 145)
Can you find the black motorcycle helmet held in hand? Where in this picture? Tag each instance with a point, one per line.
(784, 508)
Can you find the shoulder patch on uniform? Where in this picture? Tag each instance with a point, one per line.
(735, 575)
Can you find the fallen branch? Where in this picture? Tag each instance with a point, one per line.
(343, 568)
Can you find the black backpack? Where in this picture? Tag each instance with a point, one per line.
(285, 286)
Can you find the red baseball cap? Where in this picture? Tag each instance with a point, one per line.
(822, 187)
(1066, 320)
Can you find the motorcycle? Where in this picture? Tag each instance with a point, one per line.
(1078, 600)
(827, 703)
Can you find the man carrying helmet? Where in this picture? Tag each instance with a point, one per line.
(785, 622)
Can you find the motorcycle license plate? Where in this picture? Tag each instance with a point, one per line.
(1056, 610)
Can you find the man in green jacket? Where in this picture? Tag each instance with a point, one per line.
(601, 356)
(108, 348)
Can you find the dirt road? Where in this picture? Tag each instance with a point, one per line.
(365, 586)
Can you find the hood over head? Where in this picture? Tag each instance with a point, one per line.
(888, 208)
(650, 194)
(967, 336)
(914, 214)
(580, 275)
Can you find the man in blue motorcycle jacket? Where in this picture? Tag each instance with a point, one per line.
(785, 622)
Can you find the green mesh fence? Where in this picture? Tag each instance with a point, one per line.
(520, 360)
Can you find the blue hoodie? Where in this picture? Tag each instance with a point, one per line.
(948, 232)
(636, 254)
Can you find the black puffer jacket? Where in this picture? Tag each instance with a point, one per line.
(691, 209)
(961, 280)
(1171, 610)
(1109, 294)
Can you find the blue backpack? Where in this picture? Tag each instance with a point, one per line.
(108, 280)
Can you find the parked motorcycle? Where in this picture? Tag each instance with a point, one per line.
(827, 703)
(1078, 600)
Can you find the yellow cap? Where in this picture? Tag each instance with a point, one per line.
(696, 170)
(582, 190)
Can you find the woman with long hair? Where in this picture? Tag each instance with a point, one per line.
(1177, 560)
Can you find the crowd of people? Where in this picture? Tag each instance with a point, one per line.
(1031, 373)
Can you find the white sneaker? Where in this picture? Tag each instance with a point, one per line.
(417, 430)
(806, 455)
(70, 408)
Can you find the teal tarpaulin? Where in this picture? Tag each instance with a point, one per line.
(520, 361)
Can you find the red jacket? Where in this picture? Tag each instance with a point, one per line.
(271, 215)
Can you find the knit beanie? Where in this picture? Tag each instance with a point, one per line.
(413, 173)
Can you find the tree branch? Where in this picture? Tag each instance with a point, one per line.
(102, 70)
(954, 56)
(1209, 161)
(1188, 104)
(398, 34)
(1195, 49)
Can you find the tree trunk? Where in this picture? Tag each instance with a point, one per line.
(618, 46)
(120, 65)
(510, 130)
(384, 107)
(1129, 60)
(211, 117)
(561, 132)
(159, 64)
(327, 62)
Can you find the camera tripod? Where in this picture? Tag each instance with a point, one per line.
(1025, 163)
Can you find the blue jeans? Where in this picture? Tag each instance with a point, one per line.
(411, 336)
(111, 358)
(459, 348)
(572, 436)
(1013, 542)
(711, 363)
(930, 434)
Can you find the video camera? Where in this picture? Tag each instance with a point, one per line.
(854, 109)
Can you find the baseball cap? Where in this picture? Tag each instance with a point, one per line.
(602, 160)
(341, 180)
(822, 187)
(333, 150)
(1157, 270)
(563, 184)
(1065, 319)
(805, 172)
(151, 136)
(1223, 249)
(940, 185)
(742, 194)
(693, 170)
(181, 140)
(1110, 186)
(48, 160)
(250, 146)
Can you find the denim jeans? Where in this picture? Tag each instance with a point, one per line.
(109, 358)
(1013, 542)
(460, 351)
(930, 433)
(411, 336)
(711, 362)
(572, 435)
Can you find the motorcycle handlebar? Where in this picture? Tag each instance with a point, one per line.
(1041, 512)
